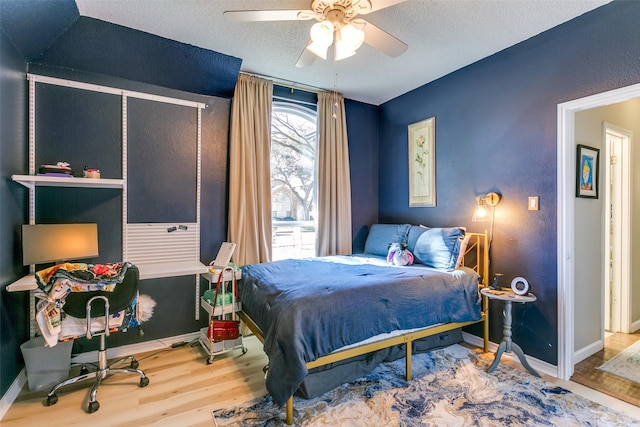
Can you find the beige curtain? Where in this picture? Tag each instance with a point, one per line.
(249, 171)
(334, 182)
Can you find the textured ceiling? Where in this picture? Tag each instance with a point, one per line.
(443, 36)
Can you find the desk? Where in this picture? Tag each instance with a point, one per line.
(507, 345)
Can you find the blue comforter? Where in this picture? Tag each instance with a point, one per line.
(308, 308)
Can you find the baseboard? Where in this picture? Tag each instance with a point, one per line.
(635, 326)
(537, 364)
(13, 392)
(91, 356)
(137, 348)
(586, 351)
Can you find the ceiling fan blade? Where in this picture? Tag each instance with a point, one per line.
(381, 4)
(306, 58)
(268, 15)
(381, 40)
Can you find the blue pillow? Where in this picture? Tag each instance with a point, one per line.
(415, 231)
(439, 247)
(382, 235)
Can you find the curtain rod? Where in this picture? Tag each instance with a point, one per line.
(288, 83)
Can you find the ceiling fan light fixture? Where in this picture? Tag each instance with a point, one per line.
(342, 51)
(318, 49)
(322, 33)
(352, 37)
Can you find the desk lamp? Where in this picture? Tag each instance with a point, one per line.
(43, 243)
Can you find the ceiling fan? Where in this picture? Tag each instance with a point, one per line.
(338, 24)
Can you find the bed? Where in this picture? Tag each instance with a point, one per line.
(325, 320)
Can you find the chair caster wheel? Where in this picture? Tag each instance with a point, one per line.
(134, 364)
(144, 382)
(52, 400)
(84, 370)
(93, 407)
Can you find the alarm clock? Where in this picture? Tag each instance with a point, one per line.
(520, 286)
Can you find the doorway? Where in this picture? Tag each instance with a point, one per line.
(566, 219)
(617, 229)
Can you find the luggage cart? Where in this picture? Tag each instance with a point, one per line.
(224, 307)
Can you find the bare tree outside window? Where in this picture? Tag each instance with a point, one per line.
(293, 157)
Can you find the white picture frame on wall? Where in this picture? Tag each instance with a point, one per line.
(422, 163)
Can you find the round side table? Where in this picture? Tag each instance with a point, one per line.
(507, 345)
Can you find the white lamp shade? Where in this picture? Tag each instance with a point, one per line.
(318, 49)
(43, 243)
(322, 33)
(351, 37)
(342, 51)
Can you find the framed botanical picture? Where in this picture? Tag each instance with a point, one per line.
(587, 172)
(422, 163)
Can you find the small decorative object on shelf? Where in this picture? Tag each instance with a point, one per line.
(91, 173)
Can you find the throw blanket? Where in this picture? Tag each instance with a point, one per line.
(309, 308)
(59, 280)
(56, 282)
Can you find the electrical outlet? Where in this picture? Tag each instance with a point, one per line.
(533, 203)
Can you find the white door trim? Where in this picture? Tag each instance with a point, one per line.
(623, 227)
(565, 215)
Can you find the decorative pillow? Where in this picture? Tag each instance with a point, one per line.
(399, 254)
(382, 235)
(439, 247)
(463, 249)
(415, 231)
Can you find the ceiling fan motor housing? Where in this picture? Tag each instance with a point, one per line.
(339, 11)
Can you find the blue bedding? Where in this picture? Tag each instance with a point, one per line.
(310, 307)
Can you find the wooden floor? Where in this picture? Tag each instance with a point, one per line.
(585, 372)
(183, 391)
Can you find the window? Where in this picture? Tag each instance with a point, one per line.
(293, 183)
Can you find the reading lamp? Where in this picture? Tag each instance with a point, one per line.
(44, 243)
(481, 213)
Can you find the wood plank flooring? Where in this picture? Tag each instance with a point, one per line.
(183, 391)
(585, 372)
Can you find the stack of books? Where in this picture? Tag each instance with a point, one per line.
(61, 169)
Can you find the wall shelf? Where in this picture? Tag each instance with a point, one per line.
(32, 181)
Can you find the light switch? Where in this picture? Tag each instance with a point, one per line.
(533, 203)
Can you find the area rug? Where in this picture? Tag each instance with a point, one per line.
(625, 364)
(450, 388)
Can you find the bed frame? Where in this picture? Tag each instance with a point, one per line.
(476, 257)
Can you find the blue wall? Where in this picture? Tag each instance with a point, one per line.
(496, 131)
(362, 131)
(13, 160)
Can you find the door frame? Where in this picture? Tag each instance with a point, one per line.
(565, 192)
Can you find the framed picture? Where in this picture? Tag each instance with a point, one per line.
(422, 163)
(587, 172)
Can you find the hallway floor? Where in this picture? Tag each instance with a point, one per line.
(585, 372)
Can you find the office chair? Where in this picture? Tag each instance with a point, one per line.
(81, 305)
